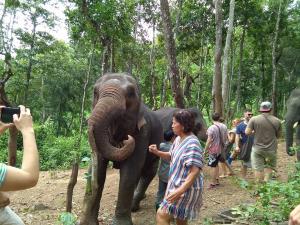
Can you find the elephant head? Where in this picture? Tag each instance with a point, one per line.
(166, 115)
(115, 116)
(200, 124)
(292, 117)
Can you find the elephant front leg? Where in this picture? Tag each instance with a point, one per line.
(128, 180)
(297, 141)
(94, 192)
(147, 176)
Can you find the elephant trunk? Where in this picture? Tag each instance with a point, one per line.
(289, 133)
(110, 106)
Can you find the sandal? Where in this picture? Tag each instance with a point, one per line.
(223, 176)
(213, 186)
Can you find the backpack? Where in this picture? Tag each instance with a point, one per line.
(246, 148)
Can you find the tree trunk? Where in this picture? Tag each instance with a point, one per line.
(217, 81)
(178, 15)
(262, 80)
(187, 88)
(225, 84)
(171, 53)
(105, 56)
(92, 198)
(274, 66)
(75, 167)
(239, 78)
(12, 146)
(112, 57)
(164, 90)
(152, 72)
(30, 60)
(43, 100)
(232, 60)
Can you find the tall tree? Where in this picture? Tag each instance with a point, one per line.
(171, 54)
(217, 80)
(34, 41)
(239, 78)
(225, 83)
(274, 66)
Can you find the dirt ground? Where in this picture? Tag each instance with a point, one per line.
(44, 203)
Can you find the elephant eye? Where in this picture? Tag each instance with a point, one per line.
(130, 92)
(198, 126)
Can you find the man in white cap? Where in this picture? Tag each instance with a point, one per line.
(266, 129)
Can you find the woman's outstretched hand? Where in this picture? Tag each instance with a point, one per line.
(153, 149)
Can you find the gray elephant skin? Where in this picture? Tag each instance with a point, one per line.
(292, 116)
(166, 116)
(117, 113)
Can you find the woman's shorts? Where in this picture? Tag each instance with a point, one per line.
(213, 160)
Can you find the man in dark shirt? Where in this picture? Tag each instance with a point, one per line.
(241, 139)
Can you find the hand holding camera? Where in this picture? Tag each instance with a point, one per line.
(19, 116)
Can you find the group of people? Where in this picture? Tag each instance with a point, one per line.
(180, 174)
(254, 139)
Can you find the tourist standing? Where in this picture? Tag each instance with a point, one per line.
(266, 129)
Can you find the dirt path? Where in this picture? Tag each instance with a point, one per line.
(44, 203)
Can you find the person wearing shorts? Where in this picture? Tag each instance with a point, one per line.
(266, 129)
(217, 137)
(241, 138)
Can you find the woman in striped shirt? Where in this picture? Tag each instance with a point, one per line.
(183, 197)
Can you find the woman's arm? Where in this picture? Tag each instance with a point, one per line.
(231, 137)
(193, 174)
(164, 155)
(208, 142)
(27, 176)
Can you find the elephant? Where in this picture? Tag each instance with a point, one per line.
(121, 128)
(166, 114)
(292, 119)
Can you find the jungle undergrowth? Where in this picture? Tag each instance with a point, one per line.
(274, 200)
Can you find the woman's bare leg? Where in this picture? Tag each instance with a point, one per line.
(162, 218)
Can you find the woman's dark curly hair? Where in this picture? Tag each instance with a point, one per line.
(186, 119)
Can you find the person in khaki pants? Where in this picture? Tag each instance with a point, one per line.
(266, 129)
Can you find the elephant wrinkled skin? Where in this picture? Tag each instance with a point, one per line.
(292, 116)
(121, 128)
(166, 115)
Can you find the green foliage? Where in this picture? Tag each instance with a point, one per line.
(66, 218)
(59, 152)
(274, 201)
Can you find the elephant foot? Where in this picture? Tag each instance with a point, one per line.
(135, 206)
(136, 203)
(122, 221)
(88, 222)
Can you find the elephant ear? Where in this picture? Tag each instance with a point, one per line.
(141, 122)
(141, 118)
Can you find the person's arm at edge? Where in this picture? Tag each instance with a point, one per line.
(4, 127)
(27, 176)
(237, 141)
(249, 128)
(208, 142)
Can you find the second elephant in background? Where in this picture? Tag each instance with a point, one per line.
(166, 115)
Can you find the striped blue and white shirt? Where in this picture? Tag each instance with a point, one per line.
(184, 155)
(3, 171)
